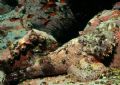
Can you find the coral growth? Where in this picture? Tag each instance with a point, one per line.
(53, 17)
(34, 42)
(33, 52)
(112, 23)
(103, 19)
(72, 53)
(98, 43)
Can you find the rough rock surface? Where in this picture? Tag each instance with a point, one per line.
(88, 57)
(53, 17)
(107, 21)
(77, 57)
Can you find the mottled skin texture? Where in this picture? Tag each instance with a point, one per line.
(110, 19)
(67, 58)
(22, 52)
(75, 57)
(75, 54)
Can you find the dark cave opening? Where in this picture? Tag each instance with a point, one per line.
(84, 10)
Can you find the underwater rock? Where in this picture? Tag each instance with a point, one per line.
(4, 8)
(22, 50)
(10, 30)
(21, 53)
(53, 17)
(88, 69)
(12, 27)
(9, 35)
(116, 59)
(29, 57)
(97, 47)
(15, 13)
(99, 43)
(72, 53)
(116, 5)
(109, 19)
(101, 18)
(112, 77)
(46, 11)
(2, 77)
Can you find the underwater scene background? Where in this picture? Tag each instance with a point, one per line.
(59, 42)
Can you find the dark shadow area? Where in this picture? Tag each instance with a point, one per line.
(12, 3)
(108, 60)
(84, 10)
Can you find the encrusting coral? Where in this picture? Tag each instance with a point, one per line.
(81, 58)
(75, 54)
(34, 42)
(85, 57)
(99, 43)
(111, 20)
(53, 17)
